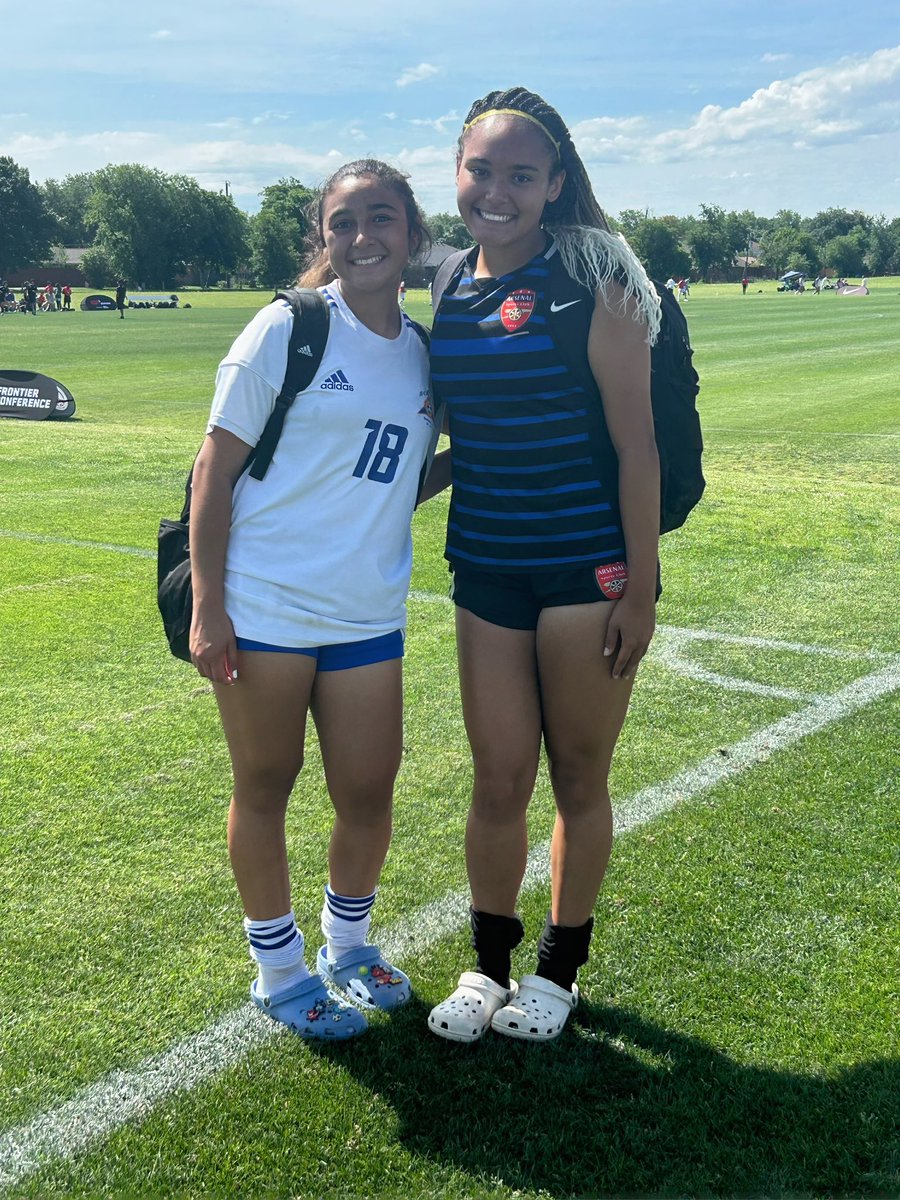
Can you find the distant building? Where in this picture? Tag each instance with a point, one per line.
(70, 272)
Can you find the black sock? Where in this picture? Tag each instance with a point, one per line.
(494, 939)
(562, 950)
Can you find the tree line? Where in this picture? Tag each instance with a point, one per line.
(153, 228)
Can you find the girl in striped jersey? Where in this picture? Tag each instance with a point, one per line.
(300, 582)
(552, 540)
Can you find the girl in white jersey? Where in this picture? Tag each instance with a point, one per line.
(300, 583)
(547, 652)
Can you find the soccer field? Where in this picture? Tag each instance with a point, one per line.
(738, 1032)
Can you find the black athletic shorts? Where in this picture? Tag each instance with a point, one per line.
(514, 599)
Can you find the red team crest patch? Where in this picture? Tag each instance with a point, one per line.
(611, 579)
(517, 308)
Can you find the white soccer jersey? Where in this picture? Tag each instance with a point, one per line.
(320, 551)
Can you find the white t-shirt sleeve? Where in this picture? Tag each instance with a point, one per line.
(242, 403)
(251, 374)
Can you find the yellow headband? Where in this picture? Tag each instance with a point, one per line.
(513, 112)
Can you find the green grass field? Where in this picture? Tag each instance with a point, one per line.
(738, 1034)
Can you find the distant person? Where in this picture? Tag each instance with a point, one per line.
(58, 294)
(671, 285)
(402, 293)
(30, 292)
(684, 289)
(745, 283)
(120, 297)
(67, 298)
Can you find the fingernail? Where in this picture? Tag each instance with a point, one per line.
(606, 652)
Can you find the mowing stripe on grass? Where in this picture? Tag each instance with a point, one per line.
(123, 1096)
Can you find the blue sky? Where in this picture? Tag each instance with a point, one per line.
(672, 103)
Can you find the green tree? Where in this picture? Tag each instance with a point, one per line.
(630, 219)
(273, 256)
(450, 229)
(714, 240)
(789, 248)
(659, 249)
(835, 223)
(26, 228)
(879, 250)
(213, 230)
(68, 200)
(289, 200)
(846, 253)
(137, 215)
(97, 268)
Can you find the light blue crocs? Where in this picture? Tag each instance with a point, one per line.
(364, 976)
(311, 1010)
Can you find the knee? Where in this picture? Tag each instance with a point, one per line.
(580, 783)
(501, 793)
(265, 788)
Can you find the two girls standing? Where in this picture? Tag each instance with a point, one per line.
(300, 579)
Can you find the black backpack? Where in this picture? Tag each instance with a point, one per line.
(174, 594)
(674, 382)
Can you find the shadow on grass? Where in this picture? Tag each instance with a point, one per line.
(621, 1107)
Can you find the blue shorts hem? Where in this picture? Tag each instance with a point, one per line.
(340, 656)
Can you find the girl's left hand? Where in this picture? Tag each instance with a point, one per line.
(628, 634)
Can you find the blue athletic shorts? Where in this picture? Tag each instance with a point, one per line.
(514, 599)
(342, 656)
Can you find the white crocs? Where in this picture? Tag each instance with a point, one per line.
(466, 1015)
(538, 1013)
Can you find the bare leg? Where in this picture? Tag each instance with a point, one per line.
(359, 719)
(584, 708)
(502, 711)
(264, 717)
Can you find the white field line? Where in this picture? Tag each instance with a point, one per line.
(122, 1096)
(79, 543)
(47, 584)
(669, 647)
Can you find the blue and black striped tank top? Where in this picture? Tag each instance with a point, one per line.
(534, 481)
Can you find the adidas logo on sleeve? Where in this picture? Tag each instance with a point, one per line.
(337, 382)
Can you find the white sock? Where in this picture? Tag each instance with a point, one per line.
(276, 946)
(345, 921)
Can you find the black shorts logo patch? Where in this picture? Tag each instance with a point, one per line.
(612, 579)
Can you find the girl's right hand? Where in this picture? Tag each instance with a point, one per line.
(213, 645)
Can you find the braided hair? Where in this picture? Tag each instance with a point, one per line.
(591, 253)
(576, 203)
(316, 267)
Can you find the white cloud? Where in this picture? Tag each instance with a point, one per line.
(853, 98)
(270, 115)
(774, 58)
(417, 74)
(390, 116)
(161, 34)
(439, 124)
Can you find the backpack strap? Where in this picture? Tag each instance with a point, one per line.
(445, 273)
(305, 350)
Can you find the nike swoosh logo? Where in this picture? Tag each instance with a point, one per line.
(554, 307)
